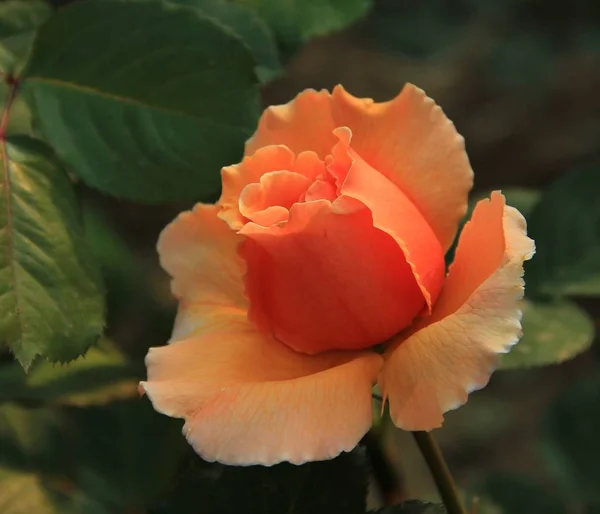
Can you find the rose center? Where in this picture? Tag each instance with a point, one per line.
(268, 202)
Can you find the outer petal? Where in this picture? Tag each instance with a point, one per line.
(408, 139)
(305, 123)
(200, 252)
(246, 398)
(453, 352)
(329, 279)
(412, 142)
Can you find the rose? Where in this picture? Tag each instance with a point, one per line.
(328, 242)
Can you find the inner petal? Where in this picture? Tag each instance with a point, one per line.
(393, 212)
(267, 202)
(328, 279)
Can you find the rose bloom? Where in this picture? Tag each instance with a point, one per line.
(320, 272)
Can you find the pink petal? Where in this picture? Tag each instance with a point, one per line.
(453, 352)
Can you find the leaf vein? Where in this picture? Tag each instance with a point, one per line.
(131, 101)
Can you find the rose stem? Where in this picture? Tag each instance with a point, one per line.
(439, 470)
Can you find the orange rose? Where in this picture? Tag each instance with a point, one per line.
(329, 240)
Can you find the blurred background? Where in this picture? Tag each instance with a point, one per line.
(520, 79)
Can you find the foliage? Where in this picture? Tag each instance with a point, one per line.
(338, 485)
(294, 22)
(120, 124)
(413, 507)
(103, 375)
(515, 493)
(552, 332)
(566, 225)
(51, 299)
(569, 439)
(555, 328)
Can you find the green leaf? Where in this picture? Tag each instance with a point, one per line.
(553, 332)
(102, 375)
(117, 458)
(413, 507)
(20, 121)
(522, 198)
(338, 485)
(127, 453)
(296, 21)
(144, 100)
(18, 21)
(27, 493)
(50, 300)
(516, 493)
(565, 225)
(24, 493)
(30, 438)
(570, 439)
(133, 302)
(250, 27)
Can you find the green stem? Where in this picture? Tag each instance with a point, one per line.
(440, 472)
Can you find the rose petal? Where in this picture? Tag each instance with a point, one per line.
(305, 123)
(321, 190)
(267, 160)
(268, 201)
(246, 398)
(392, 213)
(249, 171)
(412, 142)
(453, 352)
(199, 236)
(408, 139)
(328, 279)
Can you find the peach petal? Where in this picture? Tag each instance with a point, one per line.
(314, 284)
(412, 143)
(200, 237)
(275, 193)
(250, 170)
(305, 123)
(453, 352)
(310, 165)
(321, 190)
(392, 213)
(248, 399)
(266, 160)
(408, 139)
